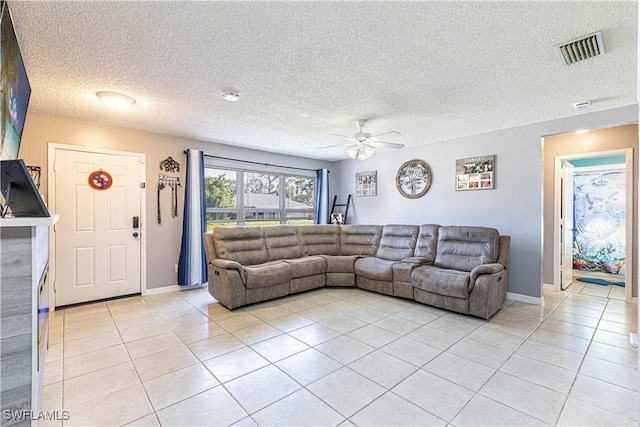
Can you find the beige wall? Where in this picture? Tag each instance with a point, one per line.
(163, 240)
(614, 138)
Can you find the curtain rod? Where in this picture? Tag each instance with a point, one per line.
(255, 163)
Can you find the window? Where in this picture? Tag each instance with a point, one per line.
(267, 198)
(221, 196)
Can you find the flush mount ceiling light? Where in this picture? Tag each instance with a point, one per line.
(116, 101)
(230, 96)
(582, 131)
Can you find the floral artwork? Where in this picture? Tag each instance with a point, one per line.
(413, 179)
(599, 219)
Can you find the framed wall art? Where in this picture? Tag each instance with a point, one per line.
(476, 173)
(367, 183)
(413, 179)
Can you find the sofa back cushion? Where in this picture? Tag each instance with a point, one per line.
(463, 248)
(282, 242)
(397, 242)
(427, 242)
(319, 239)
(245, 245)
(360, 239)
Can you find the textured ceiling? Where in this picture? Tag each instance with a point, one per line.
(430, 70)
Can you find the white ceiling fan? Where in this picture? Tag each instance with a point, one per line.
(363, 145)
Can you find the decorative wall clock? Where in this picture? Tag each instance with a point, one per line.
(413, 179)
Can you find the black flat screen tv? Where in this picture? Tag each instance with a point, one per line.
(14, 88)
(19, 192)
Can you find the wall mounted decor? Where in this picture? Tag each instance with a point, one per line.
(100, 180)
(413, 179)
(173, 183)
(366, 183)
(476, 173)
(599, 212)
(169, 165)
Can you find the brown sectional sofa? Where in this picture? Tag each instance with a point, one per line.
(458, 268)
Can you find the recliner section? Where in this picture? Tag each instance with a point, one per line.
(453, 267)
(375, 273)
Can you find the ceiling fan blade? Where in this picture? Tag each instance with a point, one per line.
(343, 144)
(385, 144)
(386, 133)
(342, 136)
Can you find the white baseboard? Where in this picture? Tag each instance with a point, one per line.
(524, 298)
(162, 290)
(549, 286)
(173, 288)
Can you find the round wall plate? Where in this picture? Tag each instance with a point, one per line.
(413, 179)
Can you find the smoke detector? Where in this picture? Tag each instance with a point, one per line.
(582, 48)
(230, 96)
(582, 105)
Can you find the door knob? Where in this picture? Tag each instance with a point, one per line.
(135, 234)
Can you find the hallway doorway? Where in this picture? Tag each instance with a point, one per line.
(593, 230)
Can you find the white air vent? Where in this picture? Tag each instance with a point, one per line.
(581, 48)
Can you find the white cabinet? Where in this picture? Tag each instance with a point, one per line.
(24, 314)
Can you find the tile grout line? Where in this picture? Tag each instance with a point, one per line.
(343, 365)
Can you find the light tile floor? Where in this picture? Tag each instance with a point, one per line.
(342, 357)
(611, 291)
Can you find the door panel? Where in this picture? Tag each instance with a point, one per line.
(96, 254)
(83, 266)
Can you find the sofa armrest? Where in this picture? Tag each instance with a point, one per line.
(416, 260)
(484, 269)
(229, 265)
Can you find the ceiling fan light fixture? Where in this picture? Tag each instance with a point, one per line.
(360, 151)
(116, 101)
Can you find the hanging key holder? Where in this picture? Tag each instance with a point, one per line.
(174, 197)
(160, 188)
(173, 183)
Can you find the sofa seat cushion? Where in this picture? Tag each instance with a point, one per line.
(375, 268)
(267, 274)
(441, 281)
(340, 263)
(307, 266)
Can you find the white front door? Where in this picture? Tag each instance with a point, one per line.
(97, 248)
